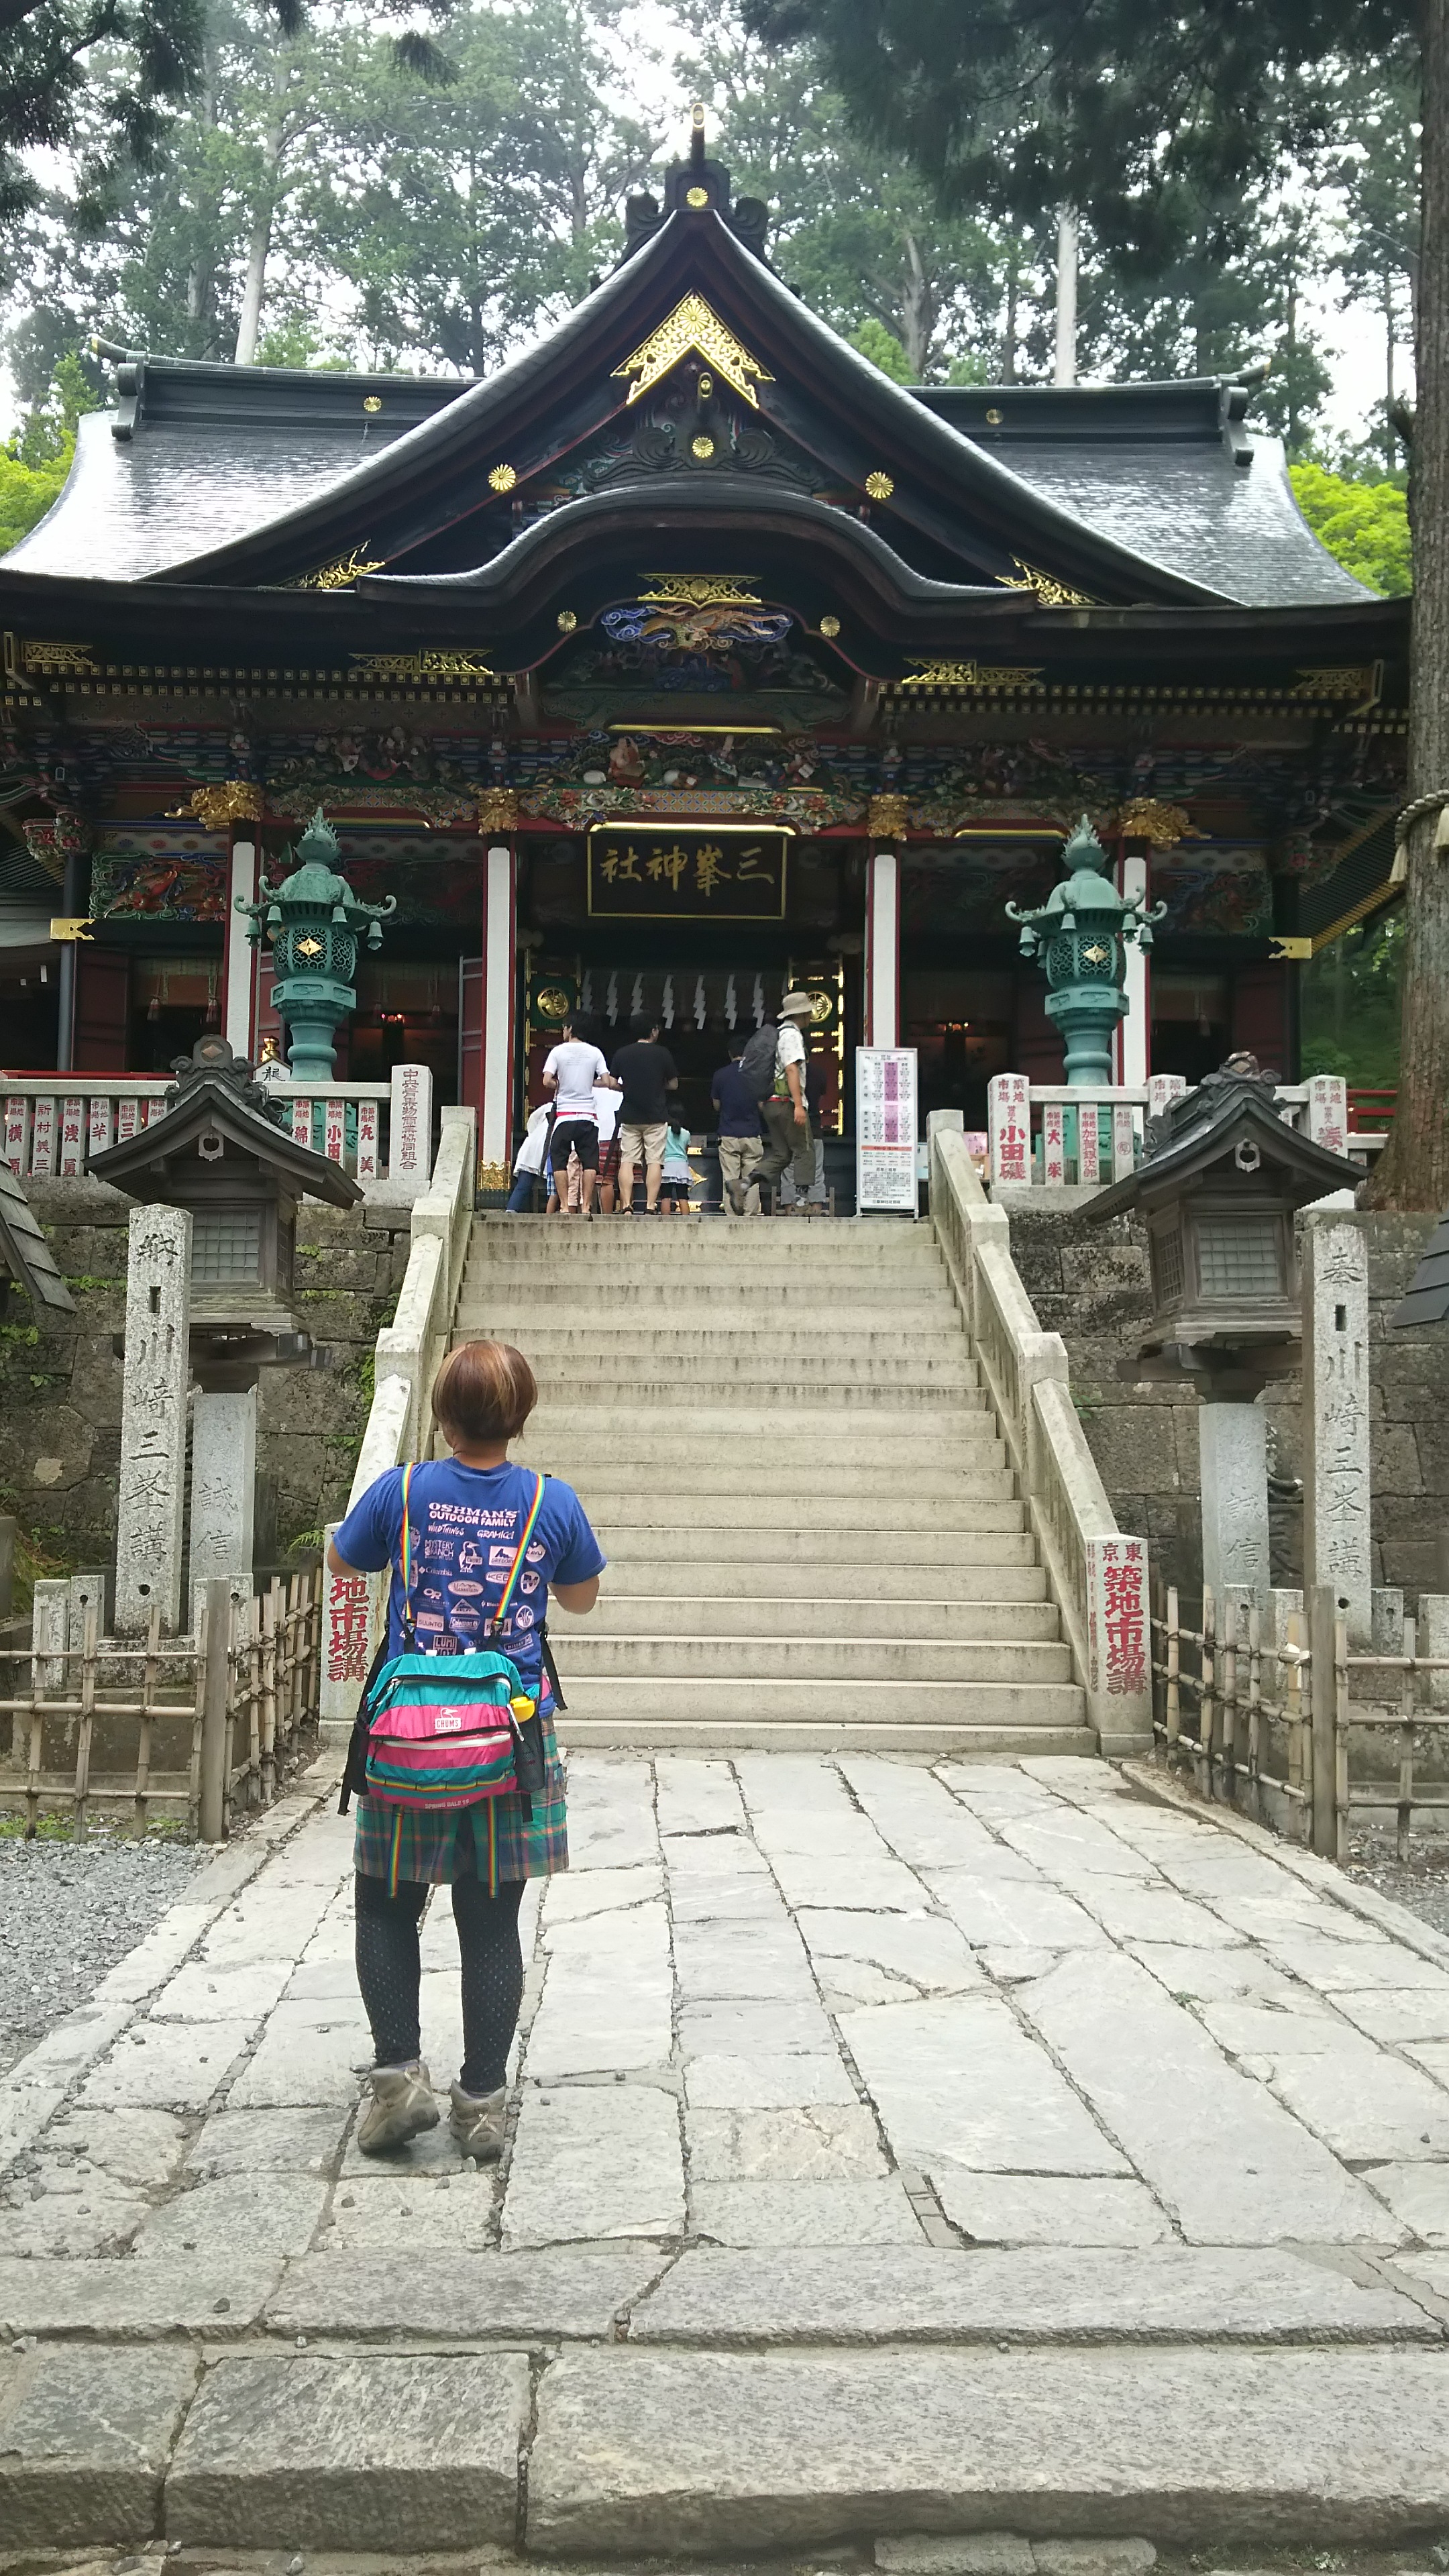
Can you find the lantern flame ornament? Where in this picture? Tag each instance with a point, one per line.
(1082, 932)
(314, 920)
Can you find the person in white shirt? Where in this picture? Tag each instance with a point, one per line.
(785, 1116)
(571, 1072)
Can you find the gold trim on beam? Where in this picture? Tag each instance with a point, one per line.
(342, 574)
(39, 654)
(421, 666)
(971, 675)
(692, 325)
(702, 590)
(1045, 589)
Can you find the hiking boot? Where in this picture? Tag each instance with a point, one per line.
(476, 2120)
(402, 2104)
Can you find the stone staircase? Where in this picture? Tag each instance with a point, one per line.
(779, 1433)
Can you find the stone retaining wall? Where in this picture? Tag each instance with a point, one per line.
(60, 1380)
(1090, 1284)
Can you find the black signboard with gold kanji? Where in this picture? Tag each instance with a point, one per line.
(713, 872)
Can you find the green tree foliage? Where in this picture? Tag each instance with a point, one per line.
(1351, 1002)
(1376, 170)
(34, 465)
(1365, 525)
(857, 232)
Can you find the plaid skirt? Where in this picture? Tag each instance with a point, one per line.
(491, 1840)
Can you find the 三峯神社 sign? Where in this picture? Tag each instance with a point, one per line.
(721, 874)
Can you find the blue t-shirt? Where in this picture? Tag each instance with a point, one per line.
(467, 1522)
(739, 1110)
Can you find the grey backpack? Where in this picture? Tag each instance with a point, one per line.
(757, 1064)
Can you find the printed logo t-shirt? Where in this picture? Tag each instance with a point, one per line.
(577, 1066)
(466, 1524)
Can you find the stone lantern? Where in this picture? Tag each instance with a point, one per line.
(1218, 1188)
(229, 1178)
(313, 920)
(1082, 932)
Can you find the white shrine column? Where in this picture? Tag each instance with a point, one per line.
(157, 1370)
(238, 971)
(1336, 1514)
(887, 824)
(1132, 1038)
(500, 986)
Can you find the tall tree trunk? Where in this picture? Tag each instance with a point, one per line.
(259, 245)
(1066, 351)
(1391, 455)
(1008, 354)
(1414, 1170)
(916, 312)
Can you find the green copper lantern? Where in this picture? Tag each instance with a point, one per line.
(1083, 929)
(313, 920)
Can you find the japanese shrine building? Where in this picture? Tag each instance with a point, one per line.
(686, 655)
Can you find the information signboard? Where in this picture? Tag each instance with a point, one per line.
(885, 1131)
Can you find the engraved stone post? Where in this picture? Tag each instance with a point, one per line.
(351, 1621)
(153, 1419)
(1336, 1419)
(223, 1489)
(1233, 1449)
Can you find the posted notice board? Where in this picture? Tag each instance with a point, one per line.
(885, 1131)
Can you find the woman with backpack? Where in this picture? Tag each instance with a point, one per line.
(454, 1760)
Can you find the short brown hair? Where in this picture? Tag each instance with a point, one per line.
(484, 1391)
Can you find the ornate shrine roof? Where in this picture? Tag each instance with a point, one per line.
(697, 392)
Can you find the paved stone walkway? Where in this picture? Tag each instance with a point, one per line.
(894, 2147)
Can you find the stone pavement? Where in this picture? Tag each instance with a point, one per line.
(897, 2148)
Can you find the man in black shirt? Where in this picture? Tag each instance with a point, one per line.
(648, 1073)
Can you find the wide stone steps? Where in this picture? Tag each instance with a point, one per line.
(777, 1587)
(616, 1703)
(957, 1435)
(629, 1538)
(874, 1485)
(781, 1655)
(624, 1610)
(780, 1435)
(673, 1507)
(912, 1396)
(658, 1313)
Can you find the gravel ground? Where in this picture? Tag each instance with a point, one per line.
(1420, 1884)
(68, 1912)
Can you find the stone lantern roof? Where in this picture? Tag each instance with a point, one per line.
(1228, 1111)
(24, 1253)
(215, 1098)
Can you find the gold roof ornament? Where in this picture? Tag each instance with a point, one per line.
(38, 654)
(972, 675)
(237, 802)
(702, 590)
(343, 573)
(830, 628)
(421, 666)
(566, 620)
(692, 326)
(1045, 589)
(1361, 681)
(888, 817)
(880, 486)
(502, 478)
(498, 810)
(1147, 818)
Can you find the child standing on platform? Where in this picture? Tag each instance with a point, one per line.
(675, 1177)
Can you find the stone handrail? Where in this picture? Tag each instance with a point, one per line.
(1097, 1573)
(408, 1351)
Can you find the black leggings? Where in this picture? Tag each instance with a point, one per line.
(388, 1972)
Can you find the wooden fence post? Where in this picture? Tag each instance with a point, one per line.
(214, 1710)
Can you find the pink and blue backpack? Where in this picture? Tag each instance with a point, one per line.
(446, 1730)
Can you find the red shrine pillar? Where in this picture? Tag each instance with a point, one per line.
(497, 816)
(887, 826)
